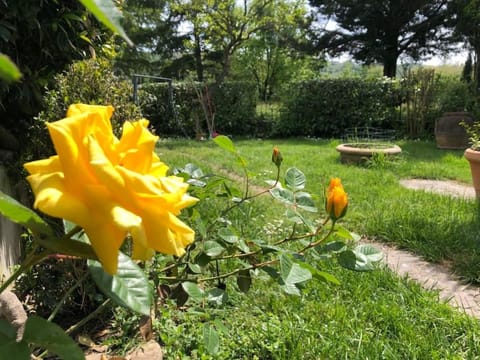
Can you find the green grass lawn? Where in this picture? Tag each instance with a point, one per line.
(371, 315)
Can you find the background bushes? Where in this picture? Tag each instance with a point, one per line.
(326, 107)
(177, 111)
(322, 108)
(88, 81)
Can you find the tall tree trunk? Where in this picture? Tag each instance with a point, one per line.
(198, 56)
(476, 69)
(390, 64)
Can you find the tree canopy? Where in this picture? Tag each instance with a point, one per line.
(42, 38)
(468, 28)
(380, 31)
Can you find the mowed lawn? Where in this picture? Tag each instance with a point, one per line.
(373, 315)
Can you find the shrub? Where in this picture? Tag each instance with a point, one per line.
(454, 95)
(90, 81)
(419, 91)
(171, 111)
(180, 113)
(235, 105)
(325, 107)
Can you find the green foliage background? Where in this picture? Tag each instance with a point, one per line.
(326, 107)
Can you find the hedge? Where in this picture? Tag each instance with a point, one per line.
(177, 111)
(326, 107)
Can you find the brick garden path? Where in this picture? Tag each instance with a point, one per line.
(434, 276)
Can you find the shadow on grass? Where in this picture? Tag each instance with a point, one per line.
(426, 151)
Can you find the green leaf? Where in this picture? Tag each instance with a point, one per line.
(371, 252)
(7, 331)
(266, 249)
(213, 248)
(243, 246)
(211, 339)
(9, 345)
(294, 216)
(13, 210)
(129, 287)
(295, 179)
(194, 171)
(304, 201)
(79, 246)
(244, 280)
(202, 259)
(196, 182)
(108, 14)
(357, 261)
(8, 70)
(217, 296)
(272, 272)
(291, 272)
(201, 227)
(193, 291)
(192, 174)
(320, 275)
(79, 236)
(228, 235)
(195, 268)
(334, 246)
(16, 350)
(343, 233)
(347, 259)
(290, 289)
(225, 143)
(51, 337)
(283, 195)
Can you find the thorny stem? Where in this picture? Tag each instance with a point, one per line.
(318, 242)
(67, 294)
(259, 265)
(245, 197)
(88, 317)
(223, 276)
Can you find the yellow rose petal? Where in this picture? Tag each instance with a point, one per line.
(52, 164)
(53, 199)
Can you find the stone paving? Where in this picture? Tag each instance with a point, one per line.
(434, 276)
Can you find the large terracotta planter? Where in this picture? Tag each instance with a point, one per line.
(356, 153)
(473, 158)
(449, 134)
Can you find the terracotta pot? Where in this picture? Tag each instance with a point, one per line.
(473, 158)
(449, 134)
(357, 153)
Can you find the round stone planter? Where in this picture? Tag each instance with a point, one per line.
(355, 153)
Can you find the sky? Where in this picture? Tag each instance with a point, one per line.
(454, 59)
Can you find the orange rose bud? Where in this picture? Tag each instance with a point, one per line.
(277, 157)
(336, 202)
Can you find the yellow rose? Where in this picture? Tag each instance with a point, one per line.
(336, 200)
(111, 187)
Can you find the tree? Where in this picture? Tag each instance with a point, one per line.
(380, 31)
(273, 55)
(41, 37)
(153, 27)
(220, 27)
(469, 31)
